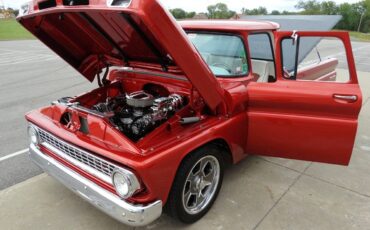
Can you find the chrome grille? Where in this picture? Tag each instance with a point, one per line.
(77, 154)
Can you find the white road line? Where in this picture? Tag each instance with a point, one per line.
(13, 155)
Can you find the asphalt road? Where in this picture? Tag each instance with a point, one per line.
(31, 77)
(334, 48)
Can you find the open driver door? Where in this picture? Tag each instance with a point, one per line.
(311, 111)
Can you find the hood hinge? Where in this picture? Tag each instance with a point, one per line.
(102, 81)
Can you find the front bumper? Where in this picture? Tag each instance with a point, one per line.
(132, 215)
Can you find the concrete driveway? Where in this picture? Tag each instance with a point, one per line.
(258, 193)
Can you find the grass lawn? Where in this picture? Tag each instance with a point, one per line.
(357, 36)
(10, 29)
(360, 36)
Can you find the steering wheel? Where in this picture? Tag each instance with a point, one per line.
(224, 66)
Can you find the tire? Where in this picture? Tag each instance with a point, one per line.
(194, 192)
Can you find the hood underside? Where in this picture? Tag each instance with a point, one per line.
(87, 36)
(96, 35)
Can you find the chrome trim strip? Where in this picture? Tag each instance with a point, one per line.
(111, 204)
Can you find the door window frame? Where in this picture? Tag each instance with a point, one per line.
(343, 36)
(273, 53)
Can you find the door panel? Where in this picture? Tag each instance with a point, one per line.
(305, 120)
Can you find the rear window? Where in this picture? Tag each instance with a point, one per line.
(260, 47)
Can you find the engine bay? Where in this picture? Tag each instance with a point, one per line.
(138, 113)
(135, 114)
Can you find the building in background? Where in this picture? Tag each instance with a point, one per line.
(6, 13)
(237, 17)
(200, 16)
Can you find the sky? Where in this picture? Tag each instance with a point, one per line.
(201, 5)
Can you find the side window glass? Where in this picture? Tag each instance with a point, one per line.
(321, 59)
(289, 51)
(262, 57)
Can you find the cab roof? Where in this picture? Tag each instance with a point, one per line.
(229, 25)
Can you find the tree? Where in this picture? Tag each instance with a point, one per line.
(366, 20)
(262, 10)
(243, 10)
(285, 12)
(219, 11)
(211, 11)
(312, 7)
(355, 16)
(329, 8)
(190, 14)
(275, 12)
(351, 16)
(181, 14)
(178, 13)
(257, 11)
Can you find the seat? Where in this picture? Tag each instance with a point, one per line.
(262, 69)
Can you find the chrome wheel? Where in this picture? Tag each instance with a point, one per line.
(201, 185)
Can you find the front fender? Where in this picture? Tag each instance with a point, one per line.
(158, 169)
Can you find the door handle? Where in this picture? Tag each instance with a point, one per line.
(346, 98)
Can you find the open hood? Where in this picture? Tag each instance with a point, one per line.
(93, 34)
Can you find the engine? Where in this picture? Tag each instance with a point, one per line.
(139, 113)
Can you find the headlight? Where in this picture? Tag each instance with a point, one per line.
(33, 135)
(125, 183)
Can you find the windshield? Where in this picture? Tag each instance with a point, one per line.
(224, 54)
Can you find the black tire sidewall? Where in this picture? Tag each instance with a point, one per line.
(175, 204)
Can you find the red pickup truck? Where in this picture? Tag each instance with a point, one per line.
(178, 102)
